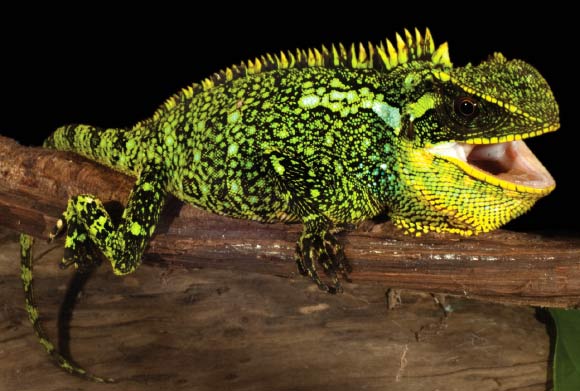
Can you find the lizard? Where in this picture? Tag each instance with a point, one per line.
(326, 137)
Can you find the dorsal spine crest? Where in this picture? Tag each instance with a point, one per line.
(384, 57)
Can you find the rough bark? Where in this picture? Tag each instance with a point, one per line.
(184, 329)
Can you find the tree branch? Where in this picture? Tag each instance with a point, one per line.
(501, 266)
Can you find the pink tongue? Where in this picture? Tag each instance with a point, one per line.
(512, 162)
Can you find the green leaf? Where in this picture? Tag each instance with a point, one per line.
(567, 353)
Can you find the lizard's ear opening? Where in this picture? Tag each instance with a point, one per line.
(409, 130)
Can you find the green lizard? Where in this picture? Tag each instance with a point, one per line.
(324, 137)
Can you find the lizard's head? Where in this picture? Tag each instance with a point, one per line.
(463, 130)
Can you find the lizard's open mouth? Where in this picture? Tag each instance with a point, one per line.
(510, 165)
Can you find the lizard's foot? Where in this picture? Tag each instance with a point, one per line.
(324, 249)
(84, 256)
(79, 250)
(74, 250)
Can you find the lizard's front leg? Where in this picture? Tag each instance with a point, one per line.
(318, 245)
(306, 196)
(89, 226)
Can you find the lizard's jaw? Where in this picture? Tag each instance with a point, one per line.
(510, 165)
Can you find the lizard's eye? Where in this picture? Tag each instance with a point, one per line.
(465, 107)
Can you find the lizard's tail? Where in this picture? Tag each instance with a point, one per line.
(116, 148)
(26, 242)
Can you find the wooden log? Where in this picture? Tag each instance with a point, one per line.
(501, 266)
(171, 328)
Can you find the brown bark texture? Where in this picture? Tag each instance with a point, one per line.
(175, 328)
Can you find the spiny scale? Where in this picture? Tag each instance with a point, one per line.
(357, 57)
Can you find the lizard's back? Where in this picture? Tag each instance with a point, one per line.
(225, 141)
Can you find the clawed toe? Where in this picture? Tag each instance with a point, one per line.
(56, 230)
(322, 249)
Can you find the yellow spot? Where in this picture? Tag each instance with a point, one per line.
(136, 228)
(48, 346)
(309, 101)
(234, 117)
(329, 140)
(336, 83)
(232, 149)
(69, 242)
(32, 314)
(277, 166)
(25, 274)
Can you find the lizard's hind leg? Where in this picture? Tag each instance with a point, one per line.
(89, 226)
(79, 250)
(90, 230)
(317, 245)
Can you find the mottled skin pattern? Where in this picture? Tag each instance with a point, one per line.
(321, 137)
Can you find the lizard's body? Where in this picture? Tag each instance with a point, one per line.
(323, 137)
(217, 145)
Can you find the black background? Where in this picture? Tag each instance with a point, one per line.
(111, 68)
